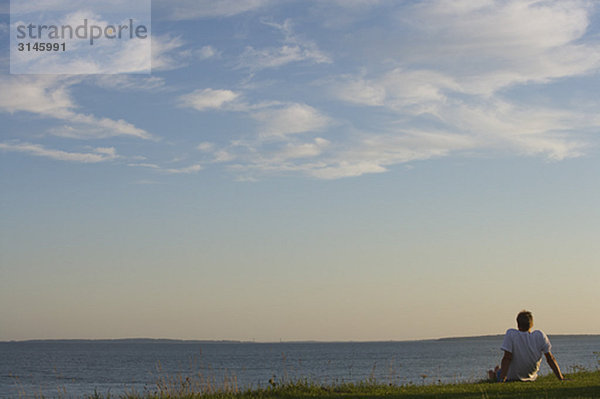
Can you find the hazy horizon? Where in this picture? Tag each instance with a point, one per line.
(210, 341)
(365, 170)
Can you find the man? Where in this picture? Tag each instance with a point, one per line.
(523, 351)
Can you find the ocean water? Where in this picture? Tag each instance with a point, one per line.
(78, 368)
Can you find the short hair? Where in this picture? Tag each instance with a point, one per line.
(524, 320)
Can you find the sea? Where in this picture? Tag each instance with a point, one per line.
(76, 368)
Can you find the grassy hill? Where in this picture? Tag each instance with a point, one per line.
(581, 385)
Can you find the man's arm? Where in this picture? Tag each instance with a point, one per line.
(506, 359)
(554, 365)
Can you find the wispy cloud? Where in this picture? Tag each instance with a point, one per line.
(203, 99)
(190, 169)
(294, 49)
(49, 96)
(276, 119)
(205, 146)
(362, 153)
(278, 56)
(98, 154)
(374, 153)
(290, 119)
(107, 57)
(428, 80)
(500, 35)
(168, 53)
(207, 52)
(43, 95)
(357, 90)
(184, 170)
(303, 150)
(461, 60)
(520, 128)
(129, 82)
(398, 89)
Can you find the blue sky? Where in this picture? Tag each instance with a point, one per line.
(310, 170)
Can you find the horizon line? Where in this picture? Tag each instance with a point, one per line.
(239, 341)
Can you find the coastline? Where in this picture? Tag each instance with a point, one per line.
(227, 341)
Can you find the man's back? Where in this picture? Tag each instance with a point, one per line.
(527, 349)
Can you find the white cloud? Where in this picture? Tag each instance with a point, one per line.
(203, 99)
(207, 52)
(133, 56)
(491, 45)
(475, 48)
(294, 156)
(442, 86)
(416, 88)
(184, 170)
(277, 120)
(347, 169)
(49, 97)
(524, 129)
(360, 154)
(129, 82)
(161, 53)
(290, 119)
(205, 146)
(107, 57)
(374, 153)
(461, 59)
(294, 49)
(43, 95)
(303, 150)
(223, 156)
(167, 53)
(498, 126)
(398, 89)
(219, 154)
(109, 126)
(496, 26)
(99, 154)
(108, 151)
(171, 171)
(366, 153)
(90, 127)
(145, 165)
(360, 91)
(276, 57)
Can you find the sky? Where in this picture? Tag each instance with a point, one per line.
(310, 170)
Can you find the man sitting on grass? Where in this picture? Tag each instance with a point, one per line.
(523, 351)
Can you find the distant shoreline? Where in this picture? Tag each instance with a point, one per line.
(185, 341)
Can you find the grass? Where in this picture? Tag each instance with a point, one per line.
(580, 385)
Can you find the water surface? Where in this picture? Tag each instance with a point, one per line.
(52, 368)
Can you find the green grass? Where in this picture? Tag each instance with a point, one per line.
(585, 384)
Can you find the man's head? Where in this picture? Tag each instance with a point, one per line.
(524, 320)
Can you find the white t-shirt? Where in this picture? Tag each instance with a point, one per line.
(527, 349)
